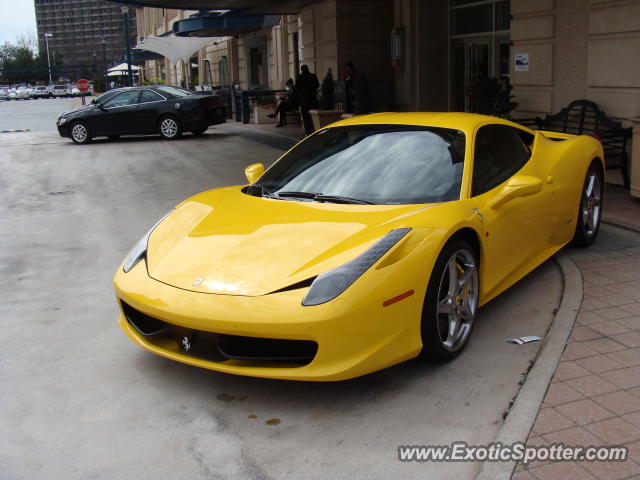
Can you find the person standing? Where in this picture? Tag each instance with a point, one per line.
(307, 87)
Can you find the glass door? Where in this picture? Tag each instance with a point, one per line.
(480, 43)
(472, 61)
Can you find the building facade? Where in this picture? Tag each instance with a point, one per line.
(78, 28)
(426, 55)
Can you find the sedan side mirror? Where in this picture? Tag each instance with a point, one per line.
(254, 172)
(518, 186)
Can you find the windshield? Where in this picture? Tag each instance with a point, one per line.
(381, 164)
(175, 92)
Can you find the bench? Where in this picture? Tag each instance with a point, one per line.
(583, 117)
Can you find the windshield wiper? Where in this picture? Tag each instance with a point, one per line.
(339, 199)
(309, 195)
(319, 197)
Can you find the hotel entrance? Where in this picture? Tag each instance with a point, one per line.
(479, 46)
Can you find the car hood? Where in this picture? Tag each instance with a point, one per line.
(226, 242)
(84, 108)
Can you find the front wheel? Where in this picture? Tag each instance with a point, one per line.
(590, 210)
(80, 133)
(170, 128)
(451, 303)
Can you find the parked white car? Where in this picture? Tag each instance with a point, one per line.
(40, 91)
(59, 91)
(19, 93)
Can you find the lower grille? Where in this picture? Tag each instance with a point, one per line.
(221, 347)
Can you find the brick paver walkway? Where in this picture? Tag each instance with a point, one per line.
(594, 397)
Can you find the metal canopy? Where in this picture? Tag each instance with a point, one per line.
(214, 25)
(265, 7)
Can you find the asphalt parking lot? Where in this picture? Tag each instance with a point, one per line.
(80, 400)
(33, 114)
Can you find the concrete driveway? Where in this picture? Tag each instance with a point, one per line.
(80, 400)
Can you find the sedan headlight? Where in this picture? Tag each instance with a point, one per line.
(139, 251)
(329, 285)
(62, 120)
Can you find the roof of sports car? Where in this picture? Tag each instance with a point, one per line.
(458, 120)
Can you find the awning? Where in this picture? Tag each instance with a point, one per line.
(174, 48)
(223, 25)
(120, 73)
(123, 67)
(265, 7)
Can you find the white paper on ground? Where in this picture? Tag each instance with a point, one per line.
(521, 340)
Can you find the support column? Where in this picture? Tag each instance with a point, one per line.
(634, 173)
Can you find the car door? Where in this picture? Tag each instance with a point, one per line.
(116, 115)
(151, 105)
(517, 229)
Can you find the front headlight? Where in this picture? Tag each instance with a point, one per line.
(329, 285)
(139, 251)
(62, 120)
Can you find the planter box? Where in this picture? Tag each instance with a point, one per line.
(322, 118)
(260, 114)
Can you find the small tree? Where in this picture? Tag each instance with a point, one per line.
(491, 96)
(98, 85)
(327, 94)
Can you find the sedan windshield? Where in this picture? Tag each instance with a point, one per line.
(381, 164)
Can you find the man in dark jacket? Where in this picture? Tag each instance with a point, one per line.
(307, 86)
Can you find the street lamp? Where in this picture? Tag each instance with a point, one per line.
(46, 40)
(103, 41)
(125, 15)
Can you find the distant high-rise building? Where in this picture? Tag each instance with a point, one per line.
(77, 28)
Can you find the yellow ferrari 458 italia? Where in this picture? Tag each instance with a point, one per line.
(370, 242)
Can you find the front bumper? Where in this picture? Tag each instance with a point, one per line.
(355, 334)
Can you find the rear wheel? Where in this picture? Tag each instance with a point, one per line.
(451, 303)
(590, 211)
(170, 128)
(79, 132)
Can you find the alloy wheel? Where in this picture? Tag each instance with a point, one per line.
(457, 300)
(169, 127)
(79, 133)
(591, 204)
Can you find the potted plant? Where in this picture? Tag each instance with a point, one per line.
(490, 96)
(326, 114)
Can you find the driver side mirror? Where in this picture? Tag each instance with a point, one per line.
(518, 186)
(254, 172)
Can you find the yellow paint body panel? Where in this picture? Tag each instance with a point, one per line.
(243, 249)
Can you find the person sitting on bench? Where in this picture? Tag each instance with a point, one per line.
(287, 103)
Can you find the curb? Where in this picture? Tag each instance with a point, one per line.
(525, 409)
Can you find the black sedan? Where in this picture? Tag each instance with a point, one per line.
(166, 110)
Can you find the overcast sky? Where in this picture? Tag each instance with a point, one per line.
(17, 18)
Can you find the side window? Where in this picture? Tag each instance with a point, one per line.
(123, 99)
(500, 151)
(149, 96)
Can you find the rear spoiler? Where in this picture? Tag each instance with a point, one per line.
(557, 136)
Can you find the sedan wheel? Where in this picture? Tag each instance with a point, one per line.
(590, 211)
(170, 128)
(452, 303)
(80, 133)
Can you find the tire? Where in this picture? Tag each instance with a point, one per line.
(114, 137)
(79, 132)
(446, 305)
(590, 209)
(199, 131)
(169, 127)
